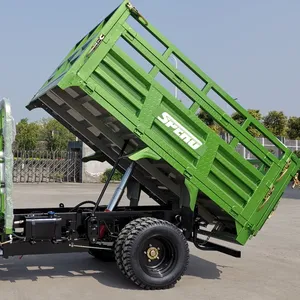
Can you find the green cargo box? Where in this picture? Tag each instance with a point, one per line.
(113, 87)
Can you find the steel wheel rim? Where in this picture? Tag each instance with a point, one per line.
(158, 256)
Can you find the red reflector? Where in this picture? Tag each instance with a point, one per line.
(102, 227)
(101, 231)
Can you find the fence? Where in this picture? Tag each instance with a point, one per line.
(66, 166)
(46, 166)
(294, 145)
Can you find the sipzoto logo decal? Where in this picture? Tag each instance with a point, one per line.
(180, 131)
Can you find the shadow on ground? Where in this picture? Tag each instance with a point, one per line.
(76, 265)
(292, 193)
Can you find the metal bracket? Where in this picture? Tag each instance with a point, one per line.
(133, 10)
(209, 246)
(296, 181)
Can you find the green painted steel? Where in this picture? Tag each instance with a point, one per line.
(7, 136)
(2, 195)
(118, 81)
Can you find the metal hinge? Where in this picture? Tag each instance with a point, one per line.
(251, 229)
(187, 174)
(234, 212)
(90, 88)
(138, 132)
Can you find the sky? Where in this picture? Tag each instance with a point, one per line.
(250, 48)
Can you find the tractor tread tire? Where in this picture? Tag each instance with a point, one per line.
(125, 244)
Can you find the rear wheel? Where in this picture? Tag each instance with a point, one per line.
(154, 253)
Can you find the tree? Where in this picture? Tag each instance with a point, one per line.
(209, 121)
(293, 128)
(55, 135)
(206, 118)
(26, 135)
(276, 122)
(240, 120)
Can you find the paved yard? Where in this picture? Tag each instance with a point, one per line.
(269, 268)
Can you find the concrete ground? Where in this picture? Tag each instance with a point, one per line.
(269, 268)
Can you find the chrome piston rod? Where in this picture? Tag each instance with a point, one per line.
(120, 189)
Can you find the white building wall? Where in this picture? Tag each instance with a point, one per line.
(92, 171)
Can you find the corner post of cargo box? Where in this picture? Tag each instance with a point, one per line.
(133, 192)
(6, 164)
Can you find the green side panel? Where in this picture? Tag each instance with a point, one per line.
(119, 90)
(2, 195)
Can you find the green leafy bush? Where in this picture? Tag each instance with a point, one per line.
(116, 177)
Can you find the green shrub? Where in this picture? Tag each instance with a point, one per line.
(116, 177)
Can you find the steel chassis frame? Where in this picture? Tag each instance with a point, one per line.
(82, 244)
(76, 229)
(76, 223)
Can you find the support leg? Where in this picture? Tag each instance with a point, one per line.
(133, 192)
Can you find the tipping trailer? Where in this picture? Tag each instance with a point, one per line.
(111, 91)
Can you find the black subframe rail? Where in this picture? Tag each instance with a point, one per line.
(73, 221)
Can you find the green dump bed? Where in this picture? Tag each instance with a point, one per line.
(113, 87)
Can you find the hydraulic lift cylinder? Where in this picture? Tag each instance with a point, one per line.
(120, 190)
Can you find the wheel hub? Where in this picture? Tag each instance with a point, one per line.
(152, 253)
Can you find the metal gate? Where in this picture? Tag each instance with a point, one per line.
(46, 166)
